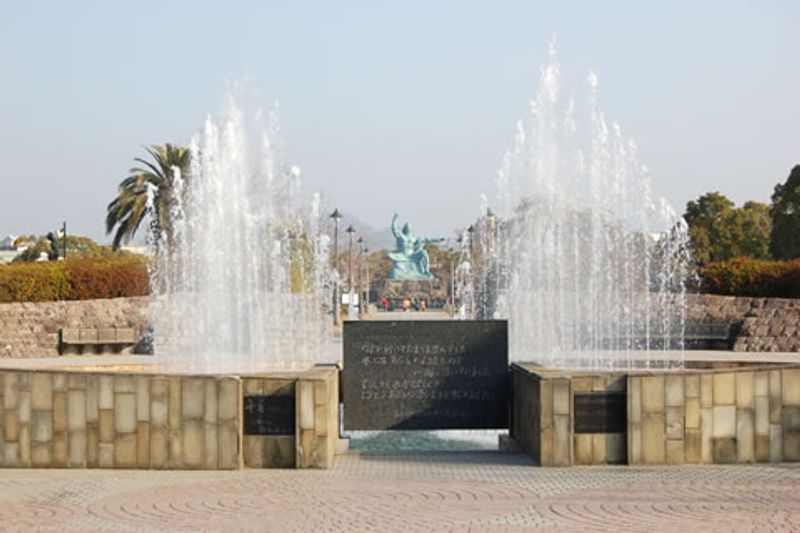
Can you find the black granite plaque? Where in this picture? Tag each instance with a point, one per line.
(425, 375)
(269, 415)
(600, 412)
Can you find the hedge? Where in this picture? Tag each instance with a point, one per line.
(752, 277)
(74, 279)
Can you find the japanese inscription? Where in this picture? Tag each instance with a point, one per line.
(269, 415)
(425, 375)
(601, 412)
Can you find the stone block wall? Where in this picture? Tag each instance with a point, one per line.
(555, 422)
(318, 419)
(542, 421)
(733, 415)
(598, 448)
(316, 431)
(543, 417)
(737, 415)
(269, 451)
(32, 329)
(93, 420)
(762, 324)
(526, 411)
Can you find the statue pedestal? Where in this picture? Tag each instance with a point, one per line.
(431, 290)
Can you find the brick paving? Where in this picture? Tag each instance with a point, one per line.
(415, 492)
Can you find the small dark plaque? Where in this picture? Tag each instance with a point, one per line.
(425, 375)
(600, 412)
(269, 415)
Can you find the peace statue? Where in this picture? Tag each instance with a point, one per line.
(411, 260)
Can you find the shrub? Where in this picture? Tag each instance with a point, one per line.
(74, 279)
(107, 278)
(33, 282)
(752, 277)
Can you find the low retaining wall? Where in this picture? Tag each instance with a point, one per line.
(739, 415)
(316, 421)
(761, 324)
(744, 414)
(543, 417)
(31, 330)
(76, 419)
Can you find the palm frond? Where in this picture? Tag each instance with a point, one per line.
(127, 211)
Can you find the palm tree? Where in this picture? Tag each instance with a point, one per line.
(128, 209)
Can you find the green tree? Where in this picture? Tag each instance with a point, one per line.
(440, 261)
(34, 248)
(77, 247)
(379, 267)
(720, 231)
(753, 224)
(126, 212)
(785, 235)
(707, 230)
(24, 241)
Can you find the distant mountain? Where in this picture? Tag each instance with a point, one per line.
(374, 239)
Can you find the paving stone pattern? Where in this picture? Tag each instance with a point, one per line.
(453, 492)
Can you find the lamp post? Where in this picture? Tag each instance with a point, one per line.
(336, 215)
(366, 293)
(64, 238)
(492, 218)
(490, 284)
(453, 279)
(470, 303)
(360, 282)
(350, 231)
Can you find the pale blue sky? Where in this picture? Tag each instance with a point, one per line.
(376, 91)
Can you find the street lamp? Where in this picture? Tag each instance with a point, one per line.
(366, 300)
(492, 218)
(360, 242)
(336, 215)
(489, 284)
(63, 235)
(350, 231)
(459, 242)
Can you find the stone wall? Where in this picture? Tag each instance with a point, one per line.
(543, 418)
(760, 324)
(598, 448)
(31, 329)
(316, 428)
(76, 419)
(738, 415)
(93, 420)
(555, 422)
(721, 415)
(526, 411)
(270, 450)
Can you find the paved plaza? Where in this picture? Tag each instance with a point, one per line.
(441, 491)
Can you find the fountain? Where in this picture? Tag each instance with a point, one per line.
(586, 266)
(245, 282)
(584, 262)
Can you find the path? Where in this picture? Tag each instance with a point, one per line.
(452, 492)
